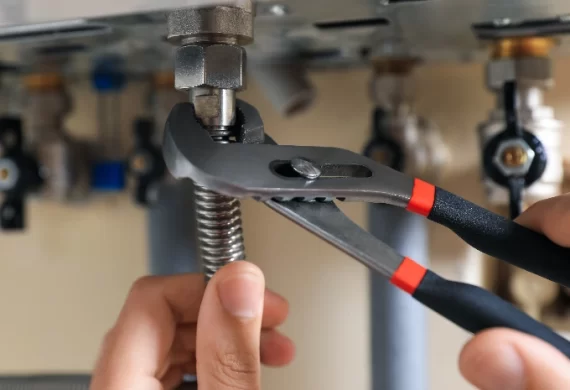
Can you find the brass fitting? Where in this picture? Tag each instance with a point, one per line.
(163, 80)
(44, 81)
(514, 156)
(522, 47)
(402, 66)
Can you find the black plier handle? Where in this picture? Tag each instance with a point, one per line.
(491, 233)
(470, 307)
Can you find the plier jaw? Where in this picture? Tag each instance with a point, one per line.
(258, 171)
(253, 170)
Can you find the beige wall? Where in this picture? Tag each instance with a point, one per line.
(62, 283)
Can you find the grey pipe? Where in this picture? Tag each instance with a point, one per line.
(399, 334)
(286, 84)
(172, 230)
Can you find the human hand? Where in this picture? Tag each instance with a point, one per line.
(171, 326)
(501, 359)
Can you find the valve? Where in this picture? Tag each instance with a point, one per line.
(383, 147)
(19, 174)
(63, 159)
(146, 163)
(401, 139)
(521, 159)
(514, 158)
(520, 141)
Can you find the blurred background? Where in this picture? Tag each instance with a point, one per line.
(95, 216)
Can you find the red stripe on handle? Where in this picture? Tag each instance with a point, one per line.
(408, 276)
(423, 198)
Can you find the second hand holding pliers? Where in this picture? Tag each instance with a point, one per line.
(302, 183)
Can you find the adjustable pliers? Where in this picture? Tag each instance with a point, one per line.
(302, 184)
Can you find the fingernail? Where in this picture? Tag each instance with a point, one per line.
(241, 295)
(503, 371)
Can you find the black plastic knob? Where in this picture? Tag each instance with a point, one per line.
(146, 163)
(514, 178)
(19, 174)
(382, 147)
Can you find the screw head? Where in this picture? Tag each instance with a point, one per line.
(140, 163)
(514, 156)
(4, 174)
(306, 168)
(9, 174)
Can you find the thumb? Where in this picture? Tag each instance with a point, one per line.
(502, 359)
(229, 329)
